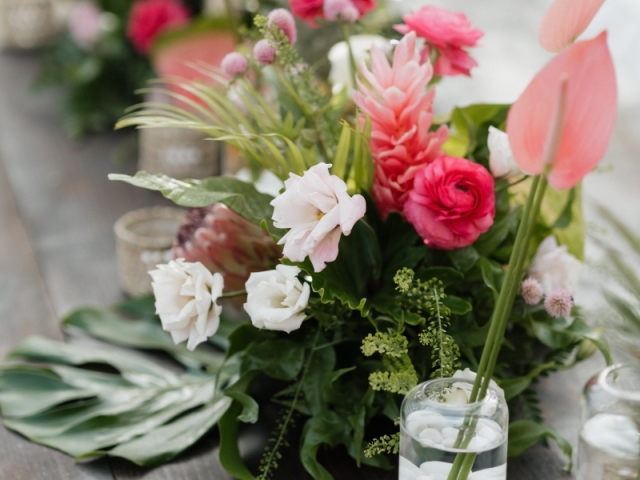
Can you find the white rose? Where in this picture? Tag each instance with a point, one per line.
(340, 74)
(554, 267)
(316, 209)
(276, 299)
(186, 295)
(501, 161)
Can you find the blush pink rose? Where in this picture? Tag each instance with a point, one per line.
(452, 202)
(148, 18)
(310, 10)
(449, 33)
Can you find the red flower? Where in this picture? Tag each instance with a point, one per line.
(148, 18)
(310, 10)
(449, 33)
(452, 202)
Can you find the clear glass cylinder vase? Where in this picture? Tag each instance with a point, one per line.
(437, 423)
(609, 446)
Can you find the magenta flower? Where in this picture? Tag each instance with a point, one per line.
(149, 18)
(452, 202)
(226, 243)
(401, 112)
(447, 32)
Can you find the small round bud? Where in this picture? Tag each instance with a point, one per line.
(234, 64)
(340, 9)
(284, 20)
(264, 53)
(532, 291)
(558, 303)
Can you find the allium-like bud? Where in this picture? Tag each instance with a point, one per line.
(264, 53)
(234, 64)
(558, 303)
(340, 9)
(225, 242)
(284, 20)
(532, 291)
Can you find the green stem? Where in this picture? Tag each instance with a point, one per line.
(238, 293)
(352, 57)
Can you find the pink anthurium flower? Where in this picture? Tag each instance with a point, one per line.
(566, 115)
(565, 20)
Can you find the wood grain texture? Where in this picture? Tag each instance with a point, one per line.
(57, 252)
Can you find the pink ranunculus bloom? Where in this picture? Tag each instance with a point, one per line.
(590, 104)
(225, 243)
(148, 18)
(311, 10)
(401, 113)
(449, 33)
(84, 23)
(317, 211)
(564, 21)
(452, 202)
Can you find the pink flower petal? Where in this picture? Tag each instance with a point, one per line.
(564, 21)
(590, 113)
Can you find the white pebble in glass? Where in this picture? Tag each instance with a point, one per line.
(432, 417)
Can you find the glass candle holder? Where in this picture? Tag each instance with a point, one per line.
(609, 446)
(437, 424)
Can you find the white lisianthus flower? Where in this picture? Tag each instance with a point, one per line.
(186, 295)
(316, 209)
(501, 161)
(340, 74)
(554, 267)
(276, 299)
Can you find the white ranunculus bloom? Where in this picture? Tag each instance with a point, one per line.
(554, 267)
(501, 161)
(340, 75)
(317, 210)
(186, 295)
(276, 299)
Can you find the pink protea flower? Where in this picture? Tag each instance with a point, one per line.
(558, 303)
(234, 64)
(285, 22)
(148, 18)
(225, 242)
(310, 10)
(532, 291)
(263, 52)
(447, 32)
(401, 112)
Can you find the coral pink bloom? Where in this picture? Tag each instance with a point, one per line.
(449, 33)
(565, 20)
(310, 10)
(401, 114)
(589, 115)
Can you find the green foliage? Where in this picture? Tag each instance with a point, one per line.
(399, 376)
(523, 434)
(386, 444)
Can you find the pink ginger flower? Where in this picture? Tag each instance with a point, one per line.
(225, 243)
(401, 112)
(447, 32)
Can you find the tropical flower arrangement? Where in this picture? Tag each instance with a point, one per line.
(401, 246)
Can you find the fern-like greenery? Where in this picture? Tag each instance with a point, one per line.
(272, 455)
(399, 375)
(385, 444)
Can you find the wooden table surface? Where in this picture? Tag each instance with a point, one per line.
(57, 252)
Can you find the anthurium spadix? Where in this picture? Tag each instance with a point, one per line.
(581, 80)
(564, 21)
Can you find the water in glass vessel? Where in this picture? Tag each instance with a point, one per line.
(432, 416)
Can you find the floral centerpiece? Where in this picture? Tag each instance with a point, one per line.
(401, 246)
